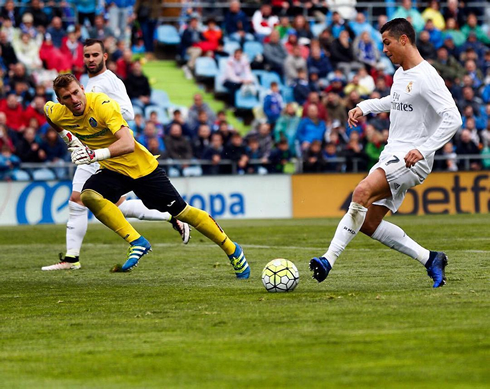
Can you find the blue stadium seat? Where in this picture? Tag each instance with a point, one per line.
(167, 34)
(317, 28)
(161, 113)
(268, 77)
(206, 67)
(43, 174)
(138, 110)
(230, 47)
(245, 102)
(20, 175)
(160, 98)
(252, 49)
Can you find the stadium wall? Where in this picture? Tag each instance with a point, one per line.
(261, 197)
(252, 197)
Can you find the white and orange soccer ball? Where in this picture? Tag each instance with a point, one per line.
(280, 275)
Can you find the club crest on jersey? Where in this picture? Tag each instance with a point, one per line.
(92, 122)
(409, 86)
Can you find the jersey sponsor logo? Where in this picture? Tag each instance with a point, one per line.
(92, 122)
(91, 136)
(72, 126)
(398, 105)
(409, 86)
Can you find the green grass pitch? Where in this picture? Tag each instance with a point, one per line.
(182, 320)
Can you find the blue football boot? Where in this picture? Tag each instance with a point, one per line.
(435, 268)
(320, 268)
(138, 248)
(239, 263)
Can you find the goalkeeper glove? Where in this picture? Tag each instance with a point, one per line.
(70, 139)
(84, 155)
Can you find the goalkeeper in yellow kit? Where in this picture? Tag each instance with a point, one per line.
(126, 166)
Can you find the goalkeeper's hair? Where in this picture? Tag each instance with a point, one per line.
(63, 80)
(91, 42)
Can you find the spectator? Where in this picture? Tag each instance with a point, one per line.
(455, 10)
(86, 11)
(36, 110)
(201, 141)
(27, 26)
(273, 104)
(310, 128)
(469, 98)
(255, 154)
(313, 161)
(466, 146)
(118, 11)
(449, 164)
(8, 53)
(275, 53)
(139, 124)
(28, 149)
(150, 132)
(179, 118)
(283, 27)
(280, 157)
(137, 85)
(342, 54)
(191, 37)
(365, 50)
(72, 48)
(345, 8)
(10, 12)
(212, 35)
(237, 73)
(475, 73)
(338, 25)
(262, 133)
(360, 25)
(319, 61)
(472, 26)
(53, 146)
(237, 153)
(452, 32)
(301, 87)
(448, 66)
(236, 24)
(158, 126)
(433, 13)
(147, 13)
(19, 75)
(302, 29)
(436, 36)
(293, 42)
(14, 112)
(27, 51)
(287, 125)
(56, 31)
(199, 105)
(213, 153)
(374, 147)
(178, 146)
(263, 21)
(425, 46)
(330, 155)
(293, 63)
(52, 57)
(226, 132)
(203, 118)
(381, 88)
(100, 29)
(407, 11)
(9, 162)
(354, 85)
(314, 99)
(5, 140)
(124, 64)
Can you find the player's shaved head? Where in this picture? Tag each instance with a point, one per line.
(63, 81)
(398, 27)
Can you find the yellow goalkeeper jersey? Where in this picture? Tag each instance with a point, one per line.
(96, 128)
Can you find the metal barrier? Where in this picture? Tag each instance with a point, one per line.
(65, 170)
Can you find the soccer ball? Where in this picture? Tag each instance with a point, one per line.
(280, 275)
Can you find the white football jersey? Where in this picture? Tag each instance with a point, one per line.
(108, 83)
(423, 114)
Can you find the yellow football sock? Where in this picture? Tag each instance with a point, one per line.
(206, 225)
(109, 214)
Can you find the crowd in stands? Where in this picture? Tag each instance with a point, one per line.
(311, 62)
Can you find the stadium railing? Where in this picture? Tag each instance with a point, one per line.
(65, 170)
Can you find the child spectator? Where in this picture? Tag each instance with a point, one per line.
(273, 104)
(279, 157)
(286, 126)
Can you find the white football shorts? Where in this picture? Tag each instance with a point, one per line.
(400, 178)
(82, 174)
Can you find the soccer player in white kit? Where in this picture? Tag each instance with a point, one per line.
(103, 80)
(423, 118)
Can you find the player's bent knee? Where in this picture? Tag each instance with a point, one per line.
(91, 198)
(75, 197)
(361, 194)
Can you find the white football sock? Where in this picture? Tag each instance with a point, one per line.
(76, 228)
(394, 237)
(136, 208)
(347, 229)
